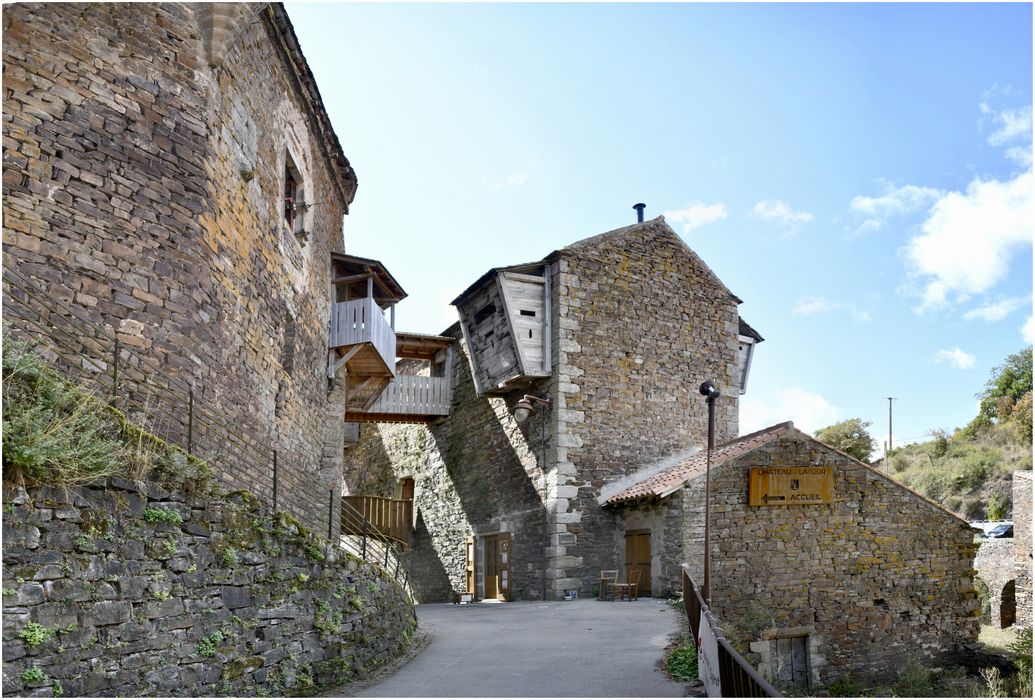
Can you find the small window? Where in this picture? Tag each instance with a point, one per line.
(293, 198)
(526, 312)
(484, 313)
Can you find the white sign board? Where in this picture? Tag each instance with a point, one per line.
(708, 659)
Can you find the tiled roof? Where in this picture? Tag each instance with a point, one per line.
(665, 482)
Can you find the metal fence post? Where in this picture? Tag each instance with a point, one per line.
(330, 515)
(274, 481)
(365, 523)
(386, 555)
(115, 372)
(190, 422)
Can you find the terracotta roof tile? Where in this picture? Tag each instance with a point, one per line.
(665, 482)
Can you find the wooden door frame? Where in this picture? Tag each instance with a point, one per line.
(650, 557)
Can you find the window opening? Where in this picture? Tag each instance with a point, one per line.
(290, 198)
(525, 312)
(484, 313)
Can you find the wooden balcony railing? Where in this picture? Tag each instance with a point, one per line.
(422, 396)
(363, 321)
(386, 519)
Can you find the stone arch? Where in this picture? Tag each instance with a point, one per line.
(1008, 604)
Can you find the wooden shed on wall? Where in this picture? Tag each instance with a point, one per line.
(505, 317)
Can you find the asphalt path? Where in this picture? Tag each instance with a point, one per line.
(582, 648)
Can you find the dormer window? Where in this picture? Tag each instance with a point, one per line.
(293, 204)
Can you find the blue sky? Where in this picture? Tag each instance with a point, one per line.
(860, 175)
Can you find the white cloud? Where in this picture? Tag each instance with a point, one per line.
(517, 179)
(967, 238)
(955, 357)
(1028, 331)
(1011, 127)
(809, 306)
(808, 410)
(697, 214)
(779, 212)
(896, 201)
(995, 311)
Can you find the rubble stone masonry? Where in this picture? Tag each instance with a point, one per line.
(1022, 544)
(144, 156)
(877, 578)
(641, 322)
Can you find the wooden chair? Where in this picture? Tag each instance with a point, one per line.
(608, 579)
(633, 584)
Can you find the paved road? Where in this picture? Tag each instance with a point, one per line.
(582, 648)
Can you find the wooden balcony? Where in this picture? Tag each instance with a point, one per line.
(408, 397)
(360, 329)
(385, 519)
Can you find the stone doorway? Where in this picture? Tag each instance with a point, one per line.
(1008, 605)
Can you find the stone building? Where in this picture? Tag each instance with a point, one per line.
(171, 172)
(827, 567)
(1022, 546)
(617, 332)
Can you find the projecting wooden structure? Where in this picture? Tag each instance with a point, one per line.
(421, 397)
(505, 317)
(361, 338)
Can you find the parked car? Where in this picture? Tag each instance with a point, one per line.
(1004, 530)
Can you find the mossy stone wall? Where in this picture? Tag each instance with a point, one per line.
(134, 589)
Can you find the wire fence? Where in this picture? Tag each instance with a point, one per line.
(107, 364)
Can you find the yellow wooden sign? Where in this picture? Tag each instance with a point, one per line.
(790, 486)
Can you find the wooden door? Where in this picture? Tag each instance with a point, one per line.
(492, 577)
(503, 565)
(472, 578)
(637, 558)
(792, 661)
(406, 488)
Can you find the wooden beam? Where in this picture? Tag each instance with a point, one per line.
(352, 278)
(336, 364)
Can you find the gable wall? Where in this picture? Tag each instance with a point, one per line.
(143, 186)
(880, 576)
(641, 322)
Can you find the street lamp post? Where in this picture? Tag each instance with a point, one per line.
(711, 393)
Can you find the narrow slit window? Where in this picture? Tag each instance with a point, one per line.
(484, 313)
(526, 312)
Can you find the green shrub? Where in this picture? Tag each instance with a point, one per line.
(34, 634)
(34, 674)
(681, 663)
(162, 515)
(52, 432)
(228, 557)
(209, 645)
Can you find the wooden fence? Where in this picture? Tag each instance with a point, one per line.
(422, 396)
(389, 519)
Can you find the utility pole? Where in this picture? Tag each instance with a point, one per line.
(888, 448)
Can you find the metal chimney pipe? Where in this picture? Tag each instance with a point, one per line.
(639, 211)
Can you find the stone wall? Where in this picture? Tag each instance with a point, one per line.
(136, 590)
(475, 473)
(994, 564)
(641, 322)
(144, 157)
(878, 578)
(1022, 544)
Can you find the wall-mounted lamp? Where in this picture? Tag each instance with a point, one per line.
(526, 406)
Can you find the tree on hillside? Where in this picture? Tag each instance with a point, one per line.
(850, 436)
(1007, 395)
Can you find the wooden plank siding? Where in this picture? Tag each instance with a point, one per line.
(386, 519)
(362, 321)
(428, 396)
